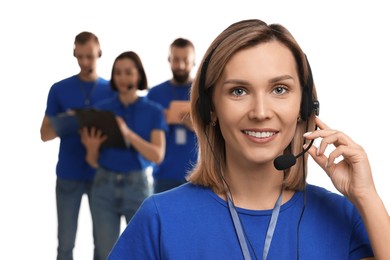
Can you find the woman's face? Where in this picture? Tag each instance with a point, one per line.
(257, 103)
(126, 75)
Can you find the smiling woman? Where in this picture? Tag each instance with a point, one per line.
(252, 100)
(121, 182)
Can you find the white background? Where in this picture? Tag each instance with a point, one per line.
(347, 43)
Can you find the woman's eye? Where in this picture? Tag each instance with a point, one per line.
(238, 92)
(280, 90)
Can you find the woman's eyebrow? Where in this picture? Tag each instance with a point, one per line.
(280, 78)
(236, 81)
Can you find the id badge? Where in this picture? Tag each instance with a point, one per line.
(180, 136)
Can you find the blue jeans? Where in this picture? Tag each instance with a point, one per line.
(68, 196)
(163, 185)
(115, 195)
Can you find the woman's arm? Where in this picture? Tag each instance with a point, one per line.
(353, 178)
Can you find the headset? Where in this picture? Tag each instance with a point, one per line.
(99, 54)
(308, 104)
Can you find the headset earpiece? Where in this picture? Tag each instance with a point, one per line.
(204, 99)
(308, 105)
(316, 107)
(205, 108)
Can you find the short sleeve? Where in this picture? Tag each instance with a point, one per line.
(140, 239)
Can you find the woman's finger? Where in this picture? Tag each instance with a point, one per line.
(320, 124)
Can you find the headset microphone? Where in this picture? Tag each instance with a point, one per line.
(286, 161)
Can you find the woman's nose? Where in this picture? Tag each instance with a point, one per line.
(260, 108)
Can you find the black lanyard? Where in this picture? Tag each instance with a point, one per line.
(270, 229)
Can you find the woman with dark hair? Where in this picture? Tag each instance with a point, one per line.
(254, 109)
(121, 182)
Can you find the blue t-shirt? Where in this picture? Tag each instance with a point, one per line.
(73, 93)
(181, 152)
(192, 222)
(143, 116)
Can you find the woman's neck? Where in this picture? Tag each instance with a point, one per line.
(128, 98)
(255, 187)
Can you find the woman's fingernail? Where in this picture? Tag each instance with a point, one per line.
(307, 133)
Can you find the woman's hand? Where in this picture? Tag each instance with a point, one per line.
(352, 174)
(353, 178)
(125, 130)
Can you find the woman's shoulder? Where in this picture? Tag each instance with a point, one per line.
(183, 192)
(319, 191)
(181, 196)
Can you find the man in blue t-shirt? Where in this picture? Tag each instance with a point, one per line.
(181, 150)
(74, 175)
